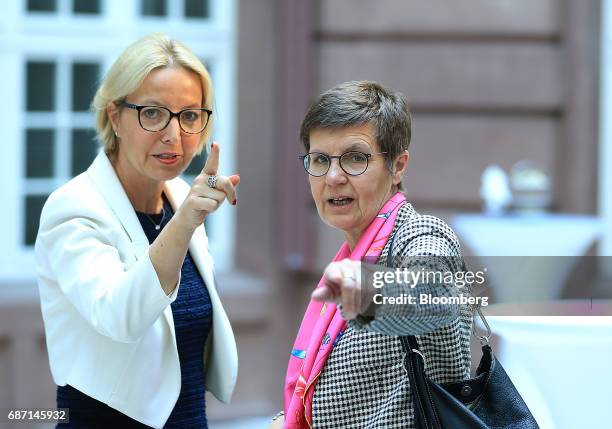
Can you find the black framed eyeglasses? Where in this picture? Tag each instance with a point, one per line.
(156, 118)
(352, 163)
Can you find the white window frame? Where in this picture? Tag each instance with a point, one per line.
(62, 120)
(59, 37)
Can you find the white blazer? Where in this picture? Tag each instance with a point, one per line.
(108, 323)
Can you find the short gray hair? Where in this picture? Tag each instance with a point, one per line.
(362, 102)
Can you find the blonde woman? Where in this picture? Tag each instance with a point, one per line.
(135, 330)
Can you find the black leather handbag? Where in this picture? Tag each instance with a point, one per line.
(488, 400)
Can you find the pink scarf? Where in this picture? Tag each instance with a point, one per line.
(323, 326)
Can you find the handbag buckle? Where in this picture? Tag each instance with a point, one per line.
(422, 357)
(484, 339)
(420, 354)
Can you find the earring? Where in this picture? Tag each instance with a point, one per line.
(116, 135)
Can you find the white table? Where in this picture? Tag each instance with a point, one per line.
(528, 257)
(561, 365)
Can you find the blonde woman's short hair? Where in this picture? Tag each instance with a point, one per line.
(132, 67)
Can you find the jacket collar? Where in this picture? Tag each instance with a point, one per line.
(104, 177)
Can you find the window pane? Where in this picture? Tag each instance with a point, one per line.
(84, 149)
(154, 7)
(84, 83)
(40, 86)
(41, 6)
(39, 153)
(197, 9)
(33, 208)
(86, 6)
(196, 164)
(211, 72)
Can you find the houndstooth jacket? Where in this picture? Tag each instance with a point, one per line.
(363, 383)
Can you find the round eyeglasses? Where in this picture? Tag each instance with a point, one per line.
(156, 118)
(352, 163)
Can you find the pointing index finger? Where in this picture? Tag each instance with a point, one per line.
(212, 161)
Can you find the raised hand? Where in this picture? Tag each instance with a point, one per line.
(206, 194)
(342, 285)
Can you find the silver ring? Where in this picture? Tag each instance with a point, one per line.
(212, 181)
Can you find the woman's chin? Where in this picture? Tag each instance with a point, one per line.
(342, 223)
(168, 173)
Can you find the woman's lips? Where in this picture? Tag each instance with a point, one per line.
(340, 202)
(167, 159)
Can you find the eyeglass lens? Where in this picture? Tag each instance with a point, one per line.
(157, 118)
(353, 163)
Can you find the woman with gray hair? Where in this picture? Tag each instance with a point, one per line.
(346, 367)
(135, 329)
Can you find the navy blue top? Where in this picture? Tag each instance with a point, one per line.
(192, 312)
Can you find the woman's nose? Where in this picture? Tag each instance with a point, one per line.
(172, 131)
(335, 175)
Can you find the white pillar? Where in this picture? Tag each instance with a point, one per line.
(605, 133)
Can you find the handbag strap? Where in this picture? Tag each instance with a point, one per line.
(425, 412)
(409, 342)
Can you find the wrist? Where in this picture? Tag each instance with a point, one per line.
(181, 226)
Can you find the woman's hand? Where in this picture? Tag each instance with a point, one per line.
(169, 249)
(202, 198)
(342, 285)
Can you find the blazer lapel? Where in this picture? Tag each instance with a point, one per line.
(105, 179)
(103, 175)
